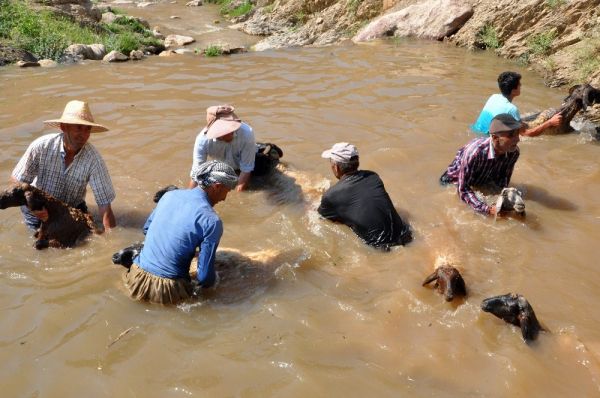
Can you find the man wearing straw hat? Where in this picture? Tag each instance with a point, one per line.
(228, 139)
(183, 220)
(62, 164)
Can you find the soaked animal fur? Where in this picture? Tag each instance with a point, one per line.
(516, 310)
(65, 224)
(511, 199)
(448, 282)
(580, 97)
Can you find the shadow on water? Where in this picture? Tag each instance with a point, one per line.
(545, 198)
(280, 186)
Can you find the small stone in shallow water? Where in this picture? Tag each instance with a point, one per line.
(47, 63)
(174, 17)
(27, 64)
(194, 3)
(145, 4)
(216, 21)
(136, 55)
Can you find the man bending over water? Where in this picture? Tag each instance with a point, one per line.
(486, 161)
(360, 201)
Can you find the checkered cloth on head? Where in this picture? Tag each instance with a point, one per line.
(213, 172)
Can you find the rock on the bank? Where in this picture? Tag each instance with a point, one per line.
(115, 56)
(433, 19)
(27, 64)
(194, 3)
(178, 40)
(47, 63)
(81, 10)
(136, 55)
(8, 55)
(84, 51)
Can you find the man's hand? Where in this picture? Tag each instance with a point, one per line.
(555, 120)
(41, 214)
(493, 210)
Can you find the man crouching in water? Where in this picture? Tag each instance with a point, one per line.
(182, 221)
(360, 201)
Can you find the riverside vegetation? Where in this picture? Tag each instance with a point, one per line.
(46, 34)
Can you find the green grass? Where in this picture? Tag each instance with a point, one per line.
(541, 43)
(555, 3)
(213, 51)
(230, 11)
(588, 58)
(488, 36)
(47, 35)
(352, 6)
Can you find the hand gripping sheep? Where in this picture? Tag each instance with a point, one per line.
(65, 224)
(448, 282)
(514, 309)
(580, 97)
(510, 199)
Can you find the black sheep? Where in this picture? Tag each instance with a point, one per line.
(65, 224)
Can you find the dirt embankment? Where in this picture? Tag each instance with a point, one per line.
(558, 38)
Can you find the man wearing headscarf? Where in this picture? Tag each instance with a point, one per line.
(183, 221)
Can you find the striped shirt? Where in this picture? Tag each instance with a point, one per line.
(476, 164)
(43, 165)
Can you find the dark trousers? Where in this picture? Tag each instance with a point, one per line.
(34, 223)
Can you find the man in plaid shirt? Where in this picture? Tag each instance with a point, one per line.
(487, 161)
(62, 164)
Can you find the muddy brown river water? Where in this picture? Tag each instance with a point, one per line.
(319, 313)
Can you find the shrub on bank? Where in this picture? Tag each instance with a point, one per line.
(47, 35)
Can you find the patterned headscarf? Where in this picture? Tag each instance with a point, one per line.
(213, 172)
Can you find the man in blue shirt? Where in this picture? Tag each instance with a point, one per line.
(182, 221)
(510, 87)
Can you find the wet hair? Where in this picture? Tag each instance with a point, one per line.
(350, 166)
(508, 81)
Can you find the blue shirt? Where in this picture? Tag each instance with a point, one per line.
(182, 221)
(494, 106)
(239, 153)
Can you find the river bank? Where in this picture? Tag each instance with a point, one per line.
(558, 39)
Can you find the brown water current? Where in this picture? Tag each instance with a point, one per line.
(318, 313)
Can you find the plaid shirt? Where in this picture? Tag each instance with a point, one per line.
(476, 164)
(43, 165)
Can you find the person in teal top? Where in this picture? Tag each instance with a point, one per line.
(510, 87)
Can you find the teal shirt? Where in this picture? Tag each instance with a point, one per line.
(494, 106)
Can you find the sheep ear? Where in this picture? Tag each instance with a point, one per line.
(430, 278)
(526, 329)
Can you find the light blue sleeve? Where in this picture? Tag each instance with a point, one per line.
(200, 153)
(514, 112)
(208, 248)
(247, 149)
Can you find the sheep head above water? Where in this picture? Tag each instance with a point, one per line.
(580, 97)
(511, 199)
(14, 196)
(516, 310)
(448, 282)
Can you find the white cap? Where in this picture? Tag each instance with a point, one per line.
(341, 152)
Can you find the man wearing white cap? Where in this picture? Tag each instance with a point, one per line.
(183, 221)
(360, 201)
(228, 139)
(62, 164)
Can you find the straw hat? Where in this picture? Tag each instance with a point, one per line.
(77, 112)
(221, 120)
